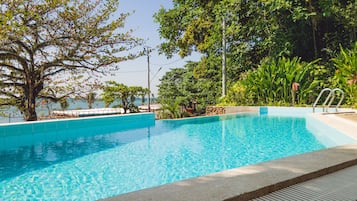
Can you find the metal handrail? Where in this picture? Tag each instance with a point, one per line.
(329, 99)
(319, 96)
(333, 98)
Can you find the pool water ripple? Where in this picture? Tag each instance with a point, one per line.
(167, 152)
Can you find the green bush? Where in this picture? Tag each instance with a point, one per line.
(271, 83)
(170, 110)
(237, 95)
(346, 73)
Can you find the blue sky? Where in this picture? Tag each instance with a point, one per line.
(141, 21)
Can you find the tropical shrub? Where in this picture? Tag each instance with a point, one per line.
(170, 110)
(346, 73)
(237, 95)
(271, 83)
(64, 103)
(116, 91)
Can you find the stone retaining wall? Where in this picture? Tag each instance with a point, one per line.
(217, 110)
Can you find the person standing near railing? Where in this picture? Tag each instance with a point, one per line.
(294, 89)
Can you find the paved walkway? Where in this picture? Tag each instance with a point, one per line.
(337, 186)
(349, 116)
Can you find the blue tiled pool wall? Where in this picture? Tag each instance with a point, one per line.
(287, 111)
(129, 121)
(21, 134)
(63, 129)
(206, 119)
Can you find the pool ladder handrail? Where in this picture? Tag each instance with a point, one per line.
(330, 98)
(318, 98)
(333, 98)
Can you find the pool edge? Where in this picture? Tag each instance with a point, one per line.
(253, 181)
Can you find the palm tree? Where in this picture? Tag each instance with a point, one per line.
(170, 110)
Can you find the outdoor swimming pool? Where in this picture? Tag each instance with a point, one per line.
(97, 158)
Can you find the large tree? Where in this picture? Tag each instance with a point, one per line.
(189, 85)
(197, 25)
(50, 39)
(317, 28)
(254, 30)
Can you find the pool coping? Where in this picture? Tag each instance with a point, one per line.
(253, 181)
(73, 119)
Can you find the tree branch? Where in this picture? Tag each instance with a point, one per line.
(11, 67)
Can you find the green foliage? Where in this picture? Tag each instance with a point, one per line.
(346, 73)
(309, 30)
(75, 87)
(42, 42)
(170, 110)
(315, 29)
(271, 83)
(85, 90)
(126, 95)
(196, 25)
(170, 88)
(237, 95)
(196, 82)
(64, 103)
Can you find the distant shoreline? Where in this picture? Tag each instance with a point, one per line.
(42, 110)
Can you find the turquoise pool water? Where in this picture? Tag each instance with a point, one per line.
(89, 162)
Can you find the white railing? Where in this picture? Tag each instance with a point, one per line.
(88, 112)
(329, 99)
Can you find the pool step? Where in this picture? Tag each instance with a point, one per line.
(345, 112)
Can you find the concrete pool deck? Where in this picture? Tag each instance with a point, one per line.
(249, 182)
(349, 116)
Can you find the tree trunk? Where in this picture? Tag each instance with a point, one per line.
(30, 111)
(314, 24)
(143, 99)
(353, 35)
(90, 99)
(314, 40)
(125, 105)
(29, 105)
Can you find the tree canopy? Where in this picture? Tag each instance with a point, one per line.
(43, 41)
(256, 29)
(287, 32)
